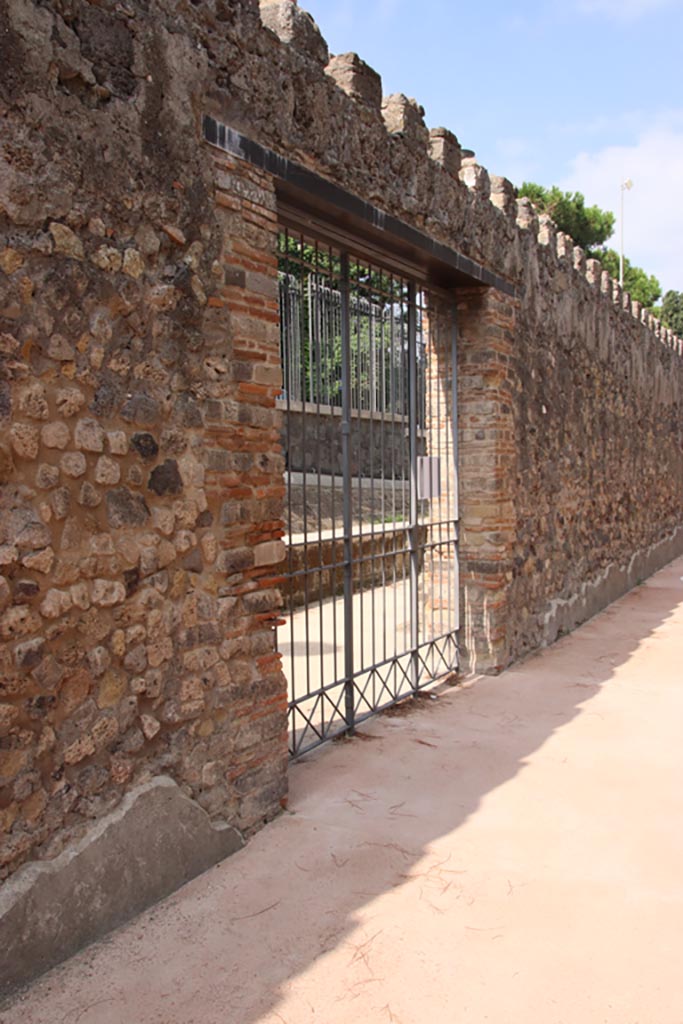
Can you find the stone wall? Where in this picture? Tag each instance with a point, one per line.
(140, 462)
(598, 442)
(141, 470)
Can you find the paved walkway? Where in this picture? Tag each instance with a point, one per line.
(511, 852)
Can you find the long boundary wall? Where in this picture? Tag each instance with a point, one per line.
(140, 463)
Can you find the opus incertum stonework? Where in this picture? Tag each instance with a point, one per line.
(149, 152)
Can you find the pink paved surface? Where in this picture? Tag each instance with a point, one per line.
(512, 852)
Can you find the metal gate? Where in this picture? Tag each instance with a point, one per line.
(370, 442)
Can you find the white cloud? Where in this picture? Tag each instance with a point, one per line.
(624, 10)
(653, 210)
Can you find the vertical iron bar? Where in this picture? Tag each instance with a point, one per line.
(321, 316)
(371, 445)
(333, 488)
(358, 329)
(287, 355)
(456, 459)
(347, 496)
(306, 333)
(412, 448)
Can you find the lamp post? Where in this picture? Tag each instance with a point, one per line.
(628, 184)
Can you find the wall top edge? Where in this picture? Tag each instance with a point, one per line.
(233, 142)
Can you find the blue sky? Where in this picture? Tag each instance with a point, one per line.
(582, 94)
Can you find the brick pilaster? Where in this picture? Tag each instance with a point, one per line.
(486, 392)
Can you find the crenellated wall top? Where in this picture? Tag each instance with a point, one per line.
(477, 210)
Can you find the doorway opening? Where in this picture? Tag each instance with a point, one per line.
(371, 519)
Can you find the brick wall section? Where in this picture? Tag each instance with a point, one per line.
(487, 394)
(245, 480)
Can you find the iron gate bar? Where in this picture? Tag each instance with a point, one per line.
(346, 495)
(412, 450)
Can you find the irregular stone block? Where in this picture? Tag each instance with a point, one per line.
(89, 436)
(296, 28)
(133, 263)
(107, 258)
(33, 402)
(140, 409)
(66, 242)
(502, 193)
(60, 349)
(166, 479)
(403, 115)
(10, 260)
(6, 465)
(145, 445)
(125, 508)
(25, 440)
(39, 561)
(117, 442)
(55, 603)
(475, 177)
(69, 401)
(107, 471)
(33, 535)
(29, 653)
(107, 593)
(99, 661)
(47, 476)
(73, 464)
(79, 749)
(24, 590)
(55, 435)
(357, 79)
(527, 218)
(445, 150)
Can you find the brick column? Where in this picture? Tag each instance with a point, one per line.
(486, 401)
(245, 482)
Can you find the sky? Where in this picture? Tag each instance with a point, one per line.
(583, 94)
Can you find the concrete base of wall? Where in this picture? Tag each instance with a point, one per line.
(564, 614)
(154, 841)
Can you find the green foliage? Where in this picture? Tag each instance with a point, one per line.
(642, 287)
(671, 313)
(589, 226)
(376, 302)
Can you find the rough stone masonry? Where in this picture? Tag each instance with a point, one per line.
(141, 471)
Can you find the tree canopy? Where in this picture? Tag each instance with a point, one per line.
(644, 288)
(589, 226)
(671, 313)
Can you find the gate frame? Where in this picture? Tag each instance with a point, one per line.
(347, 247)
(487, 306)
